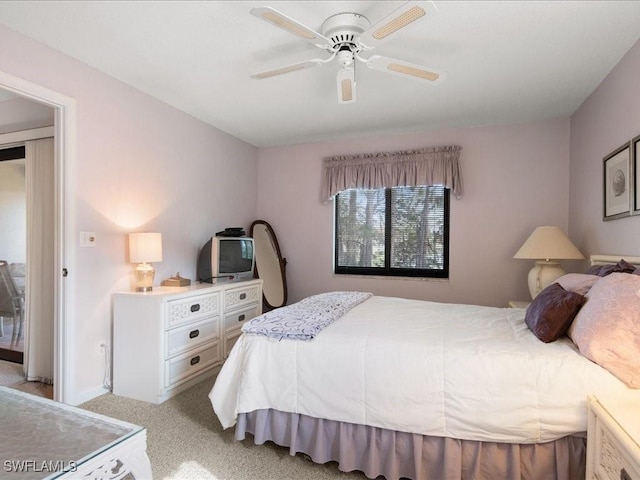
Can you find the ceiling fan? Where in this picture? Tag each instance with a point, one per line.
(345, 36)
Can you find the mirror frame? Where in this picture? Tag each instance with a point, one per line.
(281, 261)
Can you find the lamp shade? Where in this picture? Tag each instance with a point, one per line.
(145, 247)
(548, 243)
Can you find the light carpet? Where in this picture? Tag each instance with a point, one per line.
(186, 441)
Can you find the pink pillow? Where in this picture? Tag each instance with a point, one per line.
(578, 282)
(607, 327)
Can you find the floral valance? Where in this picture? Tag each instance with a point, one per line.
(426, 166)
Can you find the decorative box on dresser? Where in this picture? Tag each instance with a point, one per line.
(171, 338)
(613, 437)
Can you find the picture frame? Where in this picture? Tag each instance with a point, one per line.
(618, 185)
(635, 165)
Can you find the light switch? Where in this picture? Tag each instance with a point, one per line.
(87, 239)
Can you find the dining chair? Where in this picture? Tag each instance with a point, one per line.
(11, 302)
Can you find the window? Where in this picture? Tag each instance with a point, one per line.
(399, 231)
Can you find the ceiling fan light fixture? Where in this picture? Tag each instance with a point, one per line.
(346, 85)
(401, 21)
(345, 36)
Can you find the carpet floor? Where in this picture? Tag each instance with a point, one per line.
(186, 441)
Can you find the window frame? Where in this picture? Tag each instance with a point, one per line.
(387, 270)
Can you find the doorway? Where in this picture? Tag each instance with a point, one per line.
(13, 250)
(64, 155)
(25, 209)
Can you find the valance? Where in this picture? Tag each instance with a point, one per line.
(426, 166)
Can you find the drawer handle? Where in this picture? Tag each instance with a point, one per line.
(194, 333)
(195, 360)
(243, 296)
(195, 307)
(241, 317)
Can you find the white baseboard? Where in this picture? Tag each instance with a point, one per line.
(87, 395)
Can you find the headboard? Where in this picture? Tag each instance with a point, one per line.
(613, 259)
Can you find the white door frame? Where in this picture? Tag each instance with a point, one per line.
(64, 241)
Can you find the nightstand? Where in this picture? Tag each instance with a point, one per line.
(518, 304)
(613, 437)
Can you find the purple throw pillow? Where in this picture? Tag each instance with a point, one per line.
(550, 314)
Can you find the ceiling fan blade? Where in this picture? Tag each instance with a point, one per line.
(280, 20)
(396, 20)
(346, 85)
(289, 68)
(400, 67)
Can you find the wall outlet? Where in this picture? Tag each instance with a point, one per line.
(87, 239)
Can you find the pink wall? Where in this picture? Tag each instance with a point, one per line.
(515, 178)
(141, 165)
(607, 119)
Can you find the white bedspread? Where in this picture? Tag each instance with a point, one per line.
(460, 371)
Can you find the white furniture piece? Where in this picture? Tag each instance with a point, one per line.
(613, 437)
(518, 304)
(171, 338)
(43, 439)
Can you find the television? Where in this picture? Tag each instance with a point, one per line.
(224, 259)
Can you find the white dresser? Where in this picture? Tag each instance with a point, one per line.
(613, 441)
(167, 340)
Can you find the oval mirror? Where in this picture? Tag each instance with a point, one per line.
(270, 266)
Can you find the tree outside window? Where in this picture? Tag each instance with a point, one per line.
(399, 231)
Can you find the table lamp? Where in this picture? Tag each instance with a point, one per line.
(546, 245)
(145, 248)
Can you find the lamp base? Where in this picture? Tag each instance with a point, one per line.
(144, 277)
(543, 274)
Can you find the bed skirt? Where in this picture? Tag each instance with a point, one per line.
(395, 455)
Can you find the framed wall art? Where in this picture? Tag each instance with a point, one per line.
(618, 184)
(635, 166)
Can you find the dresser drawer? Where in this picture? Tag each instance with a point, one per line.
(234, 320)
(238, 297)
(189, 336)
(192, 308)
(181, 368)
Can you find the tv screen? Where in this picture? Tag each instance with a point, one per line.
(236, 255)
(226, 259)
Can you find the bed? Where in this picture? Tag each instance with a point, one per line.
(43, 439)
(423, 390)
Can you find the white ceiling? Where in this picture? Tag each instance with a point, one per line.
(507, 61)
